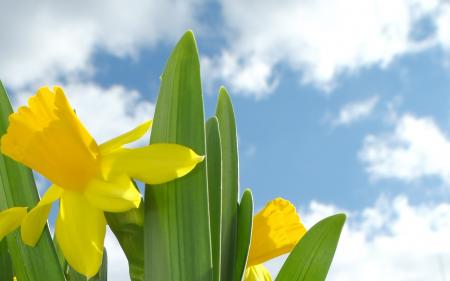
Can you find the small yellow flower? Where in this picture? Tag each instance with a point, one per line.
(87, 178)
(276, 230)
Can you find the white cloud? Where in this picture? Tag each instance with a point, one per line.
(319, 39)
(392, 240)
(416, 148)
(355, 111)
(443, 26)
(106, 112)
(46, 40)
(251, 77)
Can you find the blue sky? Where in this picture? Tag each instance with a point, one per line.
(289, 143)
(340, 105)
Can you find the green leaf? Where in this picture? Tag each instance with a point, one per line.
(311, 258)
(17, 188)
(214, 163)
(244, 233)
(176, 231)
(6, 270)
(128, 227)
(230, 183)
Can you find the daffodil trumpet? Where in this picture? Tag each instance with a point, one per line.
(276, 230)
(87, 179)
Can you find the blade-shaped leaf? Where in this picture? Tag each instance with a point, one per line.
(311, 258)
(6, 270)
(128, 227)
(214, 163)
(244, 233)
(230, 183)
(176, 231)
(17, 188)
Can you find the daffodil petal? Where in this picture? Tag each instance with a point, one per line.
(10, 219)
(257, 273)
(80, 232)
(276, 231)
(153, 164)
(125, 138)
(34, 222)
(48, 137)
(116, 195)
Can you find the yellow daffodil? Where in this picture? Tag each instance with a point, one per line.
(87, 178)
(10, 219)
(276, 230)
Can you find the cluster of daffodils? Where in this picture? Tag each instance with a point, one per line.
(89, 179)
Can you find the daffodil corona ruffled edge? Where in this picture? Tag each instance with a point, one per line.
(276, 230)
(87, 178)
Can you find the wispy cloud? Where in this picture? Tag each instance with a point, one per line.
(414, 149)
(46, 40)
(355, 111)
(319, 40)
(251, 150)
(251, 77)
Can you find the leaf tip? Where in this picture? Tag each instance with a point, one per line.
(224, 98)
(339, 218)
(188, 40)
(247, 192)
(223, 91)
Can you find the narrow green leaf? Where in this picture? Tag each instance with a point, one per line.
(311, 258)
(17, 188)
(230, 183)
(6, 270)
(128, 227)
(176, 231)
(214, 165)
(244, 233)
